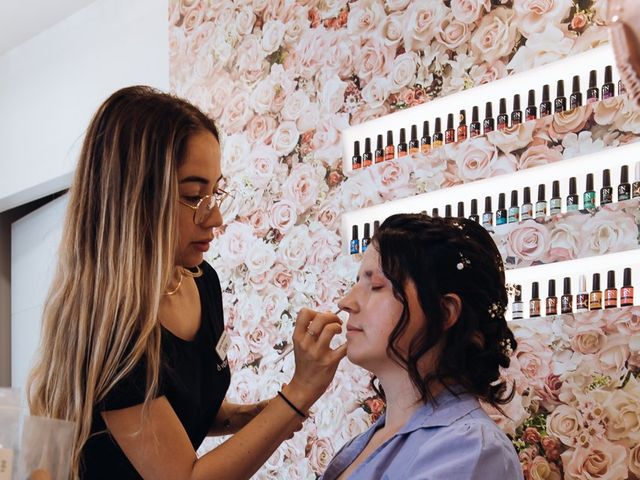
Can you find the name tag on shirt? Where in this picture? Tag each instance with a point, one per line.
(223, 345)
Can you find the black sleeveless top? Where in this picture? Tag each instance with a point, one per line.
(192, 377)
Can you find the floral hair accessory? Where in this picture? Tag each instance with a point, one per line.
(505, 347)
(496, 309)
(464, 262)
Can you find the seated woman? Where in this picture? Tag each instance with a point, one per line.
(426, 317)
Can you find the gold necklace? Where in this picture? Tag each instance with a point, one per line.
(177, 287)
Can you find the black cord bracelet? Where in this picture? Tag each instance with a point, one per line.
(291, 405)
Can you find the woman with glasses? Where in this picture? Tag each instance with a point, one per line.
(133, 346)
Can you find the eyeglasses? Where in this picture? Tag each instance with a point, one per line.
(202, 210)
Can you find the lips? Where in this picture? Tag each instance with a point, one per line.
(201, 246)
(352, 329)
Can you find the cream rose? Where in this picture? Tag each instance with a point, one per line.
(474, 159)
(421, 23)
(565, 423)
(533, 15)
(528, 242)
(391, 29)
(487, 73)
(260, 129)
(272, 36)
(614, 353)
(607, 110)
(622, 414)
(331, 8)
(237, 112)
(320, 455)
(375, 59)
(496, 35)
(608, 231)
(244, 19)
(452, 32)
(262, 96)
(294, 105)
(302, 186)
(364, 16)
(541, 48)
(541, 470)
(587, 340)
(283, 215)
(285, 138)
(565, 239)
(308, 119)
(332, 95)
(326, 140)
(309, 51)
(236, 154)
(468, 11)
(634, 460)
(513, 138)
(538, 155)
(601, 459)
(403, 71)
(569, 121)
(293, 249)
(395, 5)
(376, 92)
(392, 179)
(297, 25)
(534, 359)
(250, 60)
(260, 257)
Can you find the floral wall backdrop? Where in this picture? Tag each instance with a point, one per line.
(282, 79)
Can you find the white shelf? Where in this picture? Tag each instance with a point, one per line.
(580, 64)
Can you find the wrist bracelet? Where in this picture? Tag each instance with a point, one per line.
(295, 409)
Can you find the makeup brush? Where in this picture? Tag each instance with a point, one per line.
(289, 348)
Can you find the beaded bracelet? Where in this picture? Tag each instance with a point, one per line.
(291, 405)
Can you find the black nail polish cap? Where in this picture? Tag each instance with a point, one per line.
(606, 178)
(501, 201)
(611, 279)
(488, 110)
(389, 137)
(414, 132)
(367, 145)
(354, 232)
(434, 212)
(567, 285)
(572, 186)
(518, 293)
(576, 84)
(589, 182)
(503, 106)
(438, 125)
(367, 231)
(627, 277)
(450, 121)
(425, 128)
(356, 148)
(487, 204)
(593, 79)
(541, 195)
(379, 142)
(556, 189)
(447, 211)
(532, 98)
(552, 288)
(624, 174)
(560, 88)
(474, 114)
(460, 209)
(474, 207)
(535, 294)
(608, 74)
(527, 195)
(376, 226)
(595, 282)
(403, 136)
(516, 102)
(545, 93)
(514, 198)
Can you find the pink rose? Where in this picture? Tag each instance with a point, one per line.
(327, 139)
(452, 32)
(403, 71)
(308, 54)
(375, 59)
(533, 15)
(601, 459)
(324, 248)
(193, 18)
(250, 61)
(531, 435)
(262, 96)
(534, 359)
(282, 277)
(614, 353)
(421, 23)
(512, 138)
(622, 321)
(236, 155)
(473, 158)
(496, 35)
(634, 460)
(565, 423)
(606, 110)
(374, 405)
(243, 385)
(283, 215)
(320, 455)
(260, 129)
(550, 445)
(569, 121)
(514, 414)
(579, 21)
(550, 391)
(468, 11)
(285, 138)
(237, 112)
(364, 16)
(294, 105)
(565, 239)
(622, 414)
(294, 247)
(358, 192)
(392, 179)
(329, 214)
(344, 54)
(628, 118)
(538, 155)
(301, 186)
(486, 73)
(234, 244)
(528, 242)
(587, 340)
(392, 28)
(540, 469)
(220, 91)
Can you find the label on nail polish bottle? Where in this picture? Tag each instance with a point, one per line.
(626, 296)
(487, 220)
(462, 133)
(610, 298)
(514, 214)
(545, 109)
(608, 91)
(516, 310)
(606, 195)
(635, 189)
(541, 209)
(534, 308)
(426, 146)
(501, 217)
(389, 152)
(595, 300)
(474, 129)
(450, 136)
(355, 246)
(552, 306)
(555, 206)
(366, 159)
(566, 304)
(589, 200)
(365, 244)
(527, 211)
(572, 203)
(624, 192)
(582, 301)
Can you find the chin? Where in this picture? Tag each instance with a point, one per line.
(192, 261)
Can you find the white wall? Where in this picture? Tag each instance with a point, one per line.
(51, 85)
(49, 88)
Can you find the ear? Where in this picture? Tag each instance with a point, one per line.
(452, 305)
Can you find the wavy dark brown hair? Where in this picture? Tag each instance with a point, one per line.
(449, 256)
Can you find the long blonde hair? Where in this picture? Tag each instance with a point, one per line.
(116, 257)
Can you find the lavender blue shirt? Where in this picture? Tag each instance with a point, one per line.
(455, 441)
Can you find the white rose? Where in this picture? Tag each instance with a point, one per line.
(263, 162)
(294, 105)
(236, 154)
(541, 48)
(375, 59)
(260, 257)
(243, 386)
(244, 20)
(283, 215)
(308, 119)
(394, 5)
(285, 138)
(293, 249)
(327, 139)
(403, 71)
(376, 92)
(391, 29)
(468, 11)
(364, 16)
(331, 8)
(422, 20)
(262, 96)
(329, 410)
(495, 36)
(297, 25)
(332, 96)
(272, 36)
(237, 112)
(533, 15)
(320, 455)
(234, 243)
(301, 187)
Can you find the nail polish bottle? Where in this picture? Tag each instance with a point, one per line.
(555, 204)
(460, 209)
(389, 150)
(606, 192)
(624, 188)
(447, 211)
(356, 160)
(414, 143)
(582, 299)
(551, 305)
(434, 213)
(516, 306)
(402, 145)
(621, 88)
(541, 204)
(516, 114)
(355, 243)
(489, 123)
(626, 292)
(527, 207)
(450, 132)
(566, 301)
(366, 238)
(545, 105)
(487, 216)
(378, 155)
(595, 297)
(635, 187)
(503, 118)
(534, 303)
(531, 112)
(376, 226)
(436, 140)
(474, 211)
(560, 104)
(608, 88)
(425, 141)
(474, 127)
(367, 156)
(462, 126)
(589, 197)
(573, 202)
(575, 100)
(611, 293)
(514, 209)
(593, 93)
(501, 212)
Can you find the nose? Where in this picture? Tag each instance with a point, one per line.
(214, 219)
(348, 303)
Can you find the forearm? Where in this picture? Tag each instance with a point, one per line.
(232, 417)
(244, 453)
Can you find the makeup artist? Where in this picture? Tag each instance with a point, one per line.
(133, 348)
